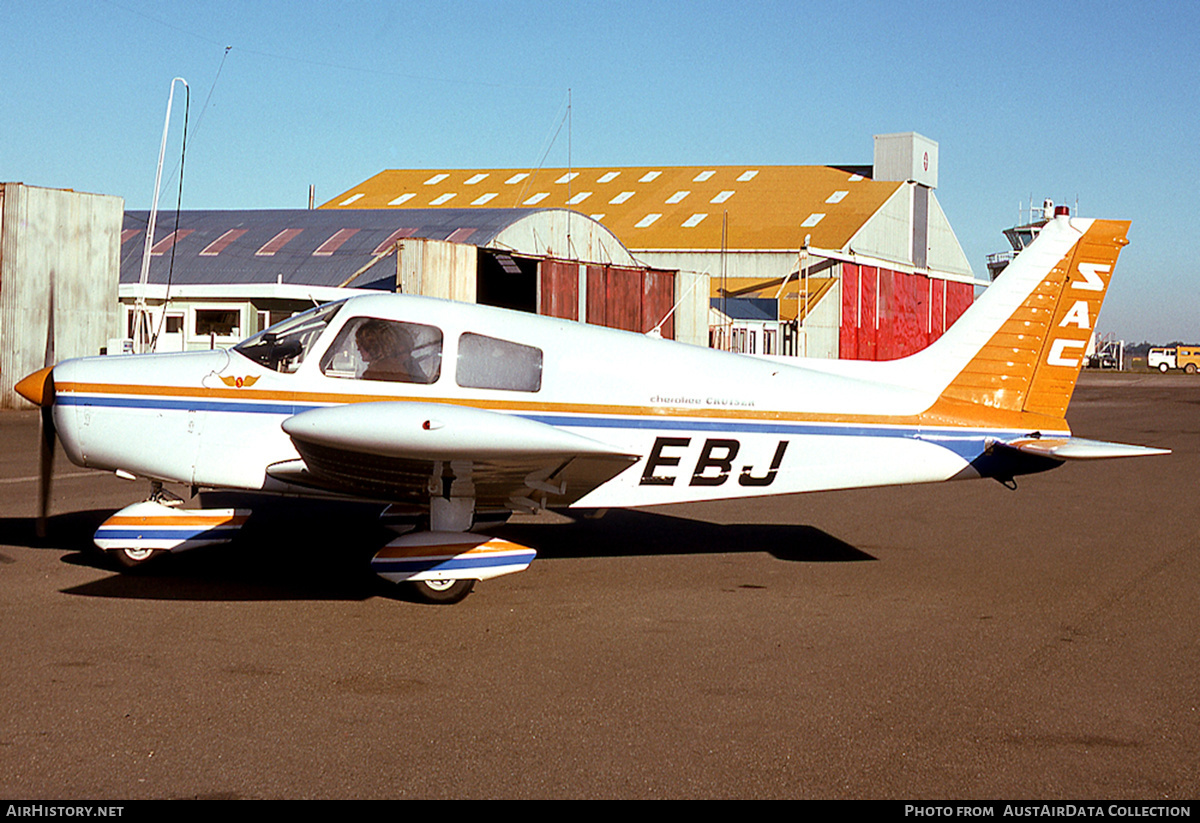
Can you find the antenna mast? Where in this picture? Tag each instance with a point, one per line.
(141, 324)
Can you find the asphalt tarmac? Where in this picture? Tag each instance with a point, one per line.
(957, 641)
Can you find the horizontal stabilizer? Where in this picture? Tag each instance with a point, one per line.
(1077, 448)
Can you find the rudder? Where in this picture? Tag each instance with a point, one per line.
(1074, 316)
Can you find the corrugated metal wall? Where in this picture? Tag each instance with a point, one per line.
(658, 297)
(920, 236)
(630, 299)
(559, 289)
(59, 268)
(945, 253)
(889, 314)
(437, 268)
(690, 320)
(822, 325)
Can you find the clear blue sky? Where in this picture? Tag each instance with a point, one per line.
(1095, 102)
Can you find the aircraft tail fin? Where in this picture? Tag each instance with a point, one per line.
(1020, 347)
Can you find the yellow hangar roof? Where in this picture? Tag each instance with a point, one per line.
(656, 207)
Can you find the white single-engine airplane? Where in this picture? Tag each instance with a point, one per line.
(455, 414)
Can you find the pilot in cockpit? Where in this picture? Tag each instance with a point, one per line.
(387, 349)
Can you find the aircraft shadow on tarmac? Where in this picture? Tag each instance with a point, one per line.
(323, 553)
(628, 532)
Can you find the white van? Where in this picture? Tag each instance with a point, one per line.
(1161, 359)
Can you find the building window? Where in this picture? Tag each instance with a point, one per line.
(217, 322)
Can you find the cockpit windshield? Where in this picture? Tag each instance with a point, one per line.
(284, 346)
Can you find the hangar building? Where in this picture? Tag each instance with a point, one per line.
(217, 277)
(859, 261)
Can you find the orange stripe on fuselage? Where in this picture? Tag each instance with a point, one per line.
(941, 415)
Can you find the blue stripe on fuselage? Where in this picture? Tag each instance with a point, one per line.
(183, 405)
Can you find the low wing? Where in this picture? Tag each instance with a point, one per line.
(408, 452)
(1077, 448)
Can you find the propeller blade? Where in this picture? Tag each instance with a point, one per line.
(45, 469)
(49, 358)
(48, 435)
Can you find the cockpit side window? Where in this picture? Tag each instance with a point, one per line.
(489, 363)
(371, 348)
(283, 346)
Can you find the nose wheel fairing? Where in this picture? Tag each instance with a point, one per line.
(144, 529)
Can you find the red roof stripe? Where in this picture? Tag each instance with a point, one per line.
(221, 243)
(334, 242)
(162, 245)
(277, 242)
(460, 235)
(398, 234)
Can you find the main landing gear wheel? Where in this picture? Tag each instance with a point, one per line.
(133, 557)
(441, 591)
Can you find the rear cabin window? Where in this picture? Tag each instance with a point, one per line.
(489, 363)
(370, 348)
